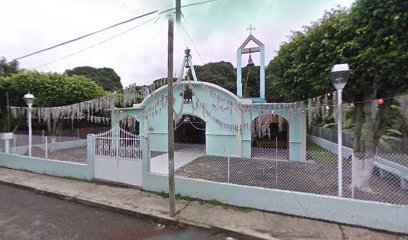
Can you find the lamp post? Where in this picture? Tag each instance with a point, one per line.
(29, 99)
(339, 74)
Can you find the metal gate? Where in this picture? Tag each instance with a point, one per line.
(118, 157)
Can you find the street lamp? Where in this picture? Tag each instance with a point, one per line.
(29, 99)
(339, 74)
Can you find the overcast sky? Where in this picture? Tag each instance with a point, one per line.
(139, 55)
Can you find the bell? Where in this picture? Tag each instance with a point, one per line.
(250, 62)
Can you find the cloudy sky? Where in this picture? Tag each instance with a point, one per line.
(137, 50)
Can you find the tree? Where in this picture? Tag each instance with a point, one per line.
(300, 70)
(370, 38)
(8, 68)
(104, 77)
(381, 59)
(50, 89)
(220, 73)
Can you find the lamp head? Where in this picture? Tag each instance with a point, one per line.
(339, 74)
(29, 99)
(187, 51)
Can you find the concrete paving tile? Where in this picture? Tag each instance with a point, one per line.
(217, 216)
(295, 228)
(69, 188)
(356, 233)
(194, 212)
(239, 219)
(108, 194)
(153, 203)
(10, 175)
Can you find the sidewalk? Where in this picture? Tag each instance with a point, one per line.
(134, 201)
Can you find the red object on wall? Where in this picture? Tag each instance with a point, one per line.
(380, 101)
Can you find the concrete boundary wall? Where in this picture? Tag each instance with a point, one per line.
(53, 167)
(375, 215)
(46, 166)
(331, 146)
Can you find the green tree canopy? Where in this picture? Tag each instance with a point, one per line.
(220, 73)
(372, 38)
(104, 77)
(50, 89)
(8, 68)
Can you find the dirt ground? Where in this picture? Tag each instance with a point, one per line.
(77, 154)
(294, 176)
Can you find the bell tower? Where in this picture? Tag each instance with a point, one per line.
(243, 49)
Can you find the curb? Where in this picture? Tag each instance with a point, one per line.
(171, 221)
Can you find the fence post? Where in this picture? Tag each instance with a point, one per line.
(14, 143)
(145, 147)
(90, 154)
(46, 147)
(228, 167)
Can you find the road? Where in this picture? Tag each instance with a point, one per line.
(29, 215)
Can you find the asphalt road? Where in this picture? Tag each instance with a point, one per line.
(29, 215)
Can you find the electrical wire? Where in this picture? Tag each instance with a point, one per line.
(110, 27)
(98, 43)
(86, 35)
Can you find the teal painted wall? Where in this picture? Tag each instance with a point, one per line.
(217, 107)
(53, 167)
(375, 215)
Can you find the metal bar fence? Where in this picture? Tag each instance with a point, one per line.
(364, 178)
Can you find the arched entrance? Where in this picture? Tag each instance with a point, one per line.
(270, 137)
(189, 134)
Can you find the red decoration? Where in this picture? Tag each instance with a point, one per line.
(380, 101)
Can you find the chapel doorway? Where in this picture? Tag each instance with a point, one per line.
(189, 133)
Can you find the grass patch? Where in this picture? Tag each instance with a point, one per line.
(321, 155)
(201, 201)
(311, 146)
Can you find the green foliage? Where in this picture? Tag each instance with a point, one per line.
(380, 57)
(8, 68)
(300, 70)
(371, 37)
(220, 73)
(50, 89)
(104, 77)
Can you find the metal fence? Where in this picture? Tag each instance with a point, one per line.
(49, 147)
(117, 143)
(330, 134)
(381, 180)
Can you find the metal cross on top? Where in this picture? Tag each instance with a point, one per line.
(251, 28)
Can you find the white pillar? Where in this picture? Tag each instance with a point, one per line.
(30, 131)
(262, 74)
(239, 74)
(339, 143)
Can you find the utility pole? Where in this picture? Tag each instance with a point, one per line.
(172, 187)
(178, 11)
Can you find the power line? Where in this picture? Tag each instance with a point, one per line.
(187, 5)
(110, 27)
(98, 43)
(86, 35)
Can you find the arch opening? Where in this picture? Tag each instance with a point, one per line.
(270, 137)
(189, 133)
